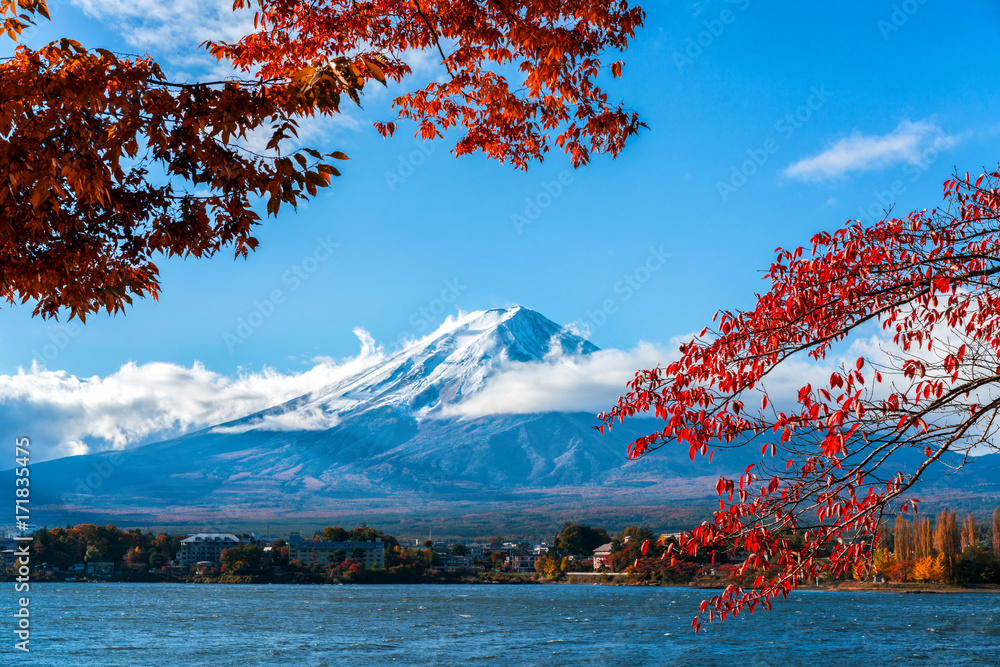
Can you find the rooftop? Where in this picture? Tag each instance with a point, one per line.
(211, 537)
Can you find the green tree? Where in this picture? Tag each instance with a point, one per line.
(458, 549)
(363, 534)
(638, 533)
(580, 539)
(279, 553)
(995, 531)
(334, 534)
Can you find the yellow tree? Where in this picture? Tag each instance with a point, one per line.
(882, 559)
(929, 568)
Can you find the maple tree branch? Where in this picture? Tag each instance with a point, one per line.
(434, 34)
(505, 11)
(201, 84)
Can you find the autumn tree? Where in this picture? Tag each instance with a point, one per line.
(995, 532)
(969, 535)
(883, 560)
(136, 558)
(926, 286)
(948, 542)
(363, 534)
(242, 559)
(107, 164)
(904, 543)
(929, 568)
(925, 538)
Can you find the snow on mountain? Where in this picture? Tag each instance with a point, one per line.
(418, 380)
(381, 444)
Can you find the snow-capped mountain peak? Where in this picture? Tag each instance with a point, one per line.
(440, 369)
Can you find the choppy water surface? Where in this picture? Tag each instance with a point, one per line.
(166, 624)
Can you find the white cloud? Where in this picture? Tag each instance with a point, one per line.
(304, 419)
(594, 382)
(173, 31)
(586, 383)
(908, 143)
(66, 415)
(158, 25)
(69, 415)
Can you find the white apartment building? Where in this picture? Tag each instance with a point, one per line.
(310, 553)
(205, 546)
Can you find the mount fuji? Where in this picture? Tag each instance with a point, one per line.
(427, 376)
(387, 445)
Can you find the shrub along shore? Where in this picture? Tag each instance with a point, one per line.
(917, 556)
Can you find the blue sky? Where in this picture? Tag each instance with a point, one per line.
(767, 125)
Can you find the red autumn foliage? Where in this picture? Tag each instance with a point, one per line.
(901, 571)
(106, 164)
(929, 280)
(518, 70)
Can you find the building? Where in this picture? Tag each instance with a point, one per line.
(175, 567)
(603, 552)
(101, 568)
(14, 533)
(371, 554)
(452, 563)
(523, 563)
(601, 555)
(205, 547)
(206, 567)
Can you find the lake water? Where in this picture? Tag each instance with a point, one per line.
(177, 624)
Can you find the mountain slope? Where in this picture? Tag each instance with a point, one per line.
(423, 377)
(380, 444)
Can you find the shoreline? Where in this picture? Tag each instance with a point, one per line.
(514, 579)
(907, 588)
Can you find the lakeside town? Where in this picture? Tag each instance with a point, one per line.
(110, 553)
(918, 551)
